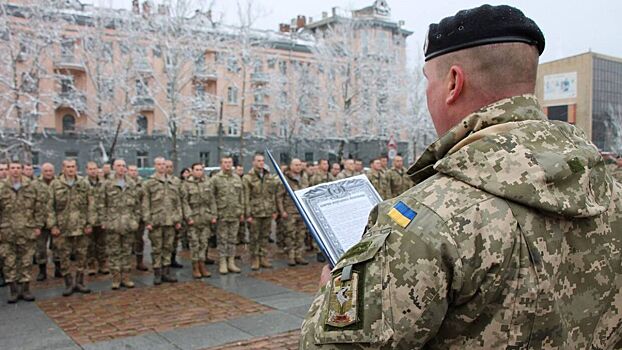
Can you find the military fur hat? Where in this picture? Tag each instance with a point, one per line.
(481, 26)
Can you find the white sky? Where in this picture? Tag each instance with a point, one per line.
(570, 26)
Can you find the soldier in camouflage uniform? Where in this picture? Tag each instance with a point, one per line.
(71, 220)
(161, 210)
(44, 195)
(229, 193)
(120, 213)
(199, 209)
(22, 216)
(377, 178)
(510, 238)
(399, 181)
(322, 175)
(97, 255)
(139, 243)
(181, 232)
(4, 168)
(295, 230)
(617, 174)
(259, 199)
(348, 170)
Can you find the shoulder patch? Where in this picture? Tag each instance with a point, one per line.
(343, 303)
(402, 214)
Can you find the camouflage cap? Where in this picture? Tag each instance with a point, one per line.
(481, 26)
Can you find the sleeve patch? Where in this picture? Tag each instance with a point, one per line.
(402, 214)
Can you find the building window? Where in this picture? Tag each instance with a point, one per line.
(199, 128)
(35, 158)
(283, 129)
(200, 91)
(141, 87)
(66, 48)
(283, 67)
(309, 157)
(66, 84)
(233, 129)
(142, 124)
(558, 113)
(259, 127)
(204, 158)
(232, 64)
(142, 159)
(232, 95)
(69, 123)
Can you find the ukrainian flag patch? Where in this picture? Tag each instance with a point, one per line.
(402, 214)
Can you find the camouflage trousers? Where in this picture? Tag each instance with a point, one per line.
(295, 232)
(96, 252)
(78, 245)
(120, 250)
(44, 241)
(242, 233)
(259, 234)
(227, 236)
(139, 243)
(162, 238)
(280, 232)
(198, 235)
(17, 249)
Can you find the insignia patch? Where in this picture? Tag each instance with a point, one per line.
(402, 214)
(342, 307)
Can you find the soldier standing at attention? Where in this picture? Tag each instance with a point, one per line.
(295, 230)
(120, 213)
(199, 209)
(510, 238)
(4, 168)
(322, 175)
(377, 178)
(229, 193)
(239, 170)
(139, 243)
(44, 193)
(22, 217)
(170, 171)
(260, 207)
(97, 255)
(348, 170)
(335, 169)
(71, 218)
(161, 210)
(399, 181)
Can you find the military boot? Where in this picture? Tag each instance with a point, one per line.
(57, 272)
(174, 263)
(140, 266)
(12, 299)
(231, 265)
(126, 281)
(167, 277)
(157, 276)
(222, 265)
(203, 270)
(80, 287)
(116, 280)
(264, 262)
(195, 270)
(291, 258)
(300, 260)
(25, 293)
(255, 263)
(43, 272)
(103, 268)
(68, 285)
(91, 269)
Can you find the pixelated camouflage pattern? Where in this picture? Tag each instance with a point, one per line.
(120, 207)
(97, 188)
(321, 177)
(161, 202)
(399, 181)
(344, 174)
(73, 208)
(229, 193)
(259, 194)
(380, 182)
(283, 202)
(24, 208)
(199, 204)
(515, 245)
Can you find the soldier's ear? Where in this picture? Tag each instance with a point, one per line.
(455, 83)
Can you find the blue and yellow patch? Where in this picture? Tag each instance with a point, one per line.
(402, 214)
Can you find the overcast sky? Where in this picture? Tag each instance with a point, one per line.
(570, 26)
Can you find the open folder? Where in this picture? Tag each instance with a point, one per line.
(335, 213)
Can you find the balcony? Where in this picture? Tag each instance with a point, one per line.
(75, 100)
(205, 73)
(143, 66)
(204, 106)
(143, 103)
(70, 62)
(260, 78)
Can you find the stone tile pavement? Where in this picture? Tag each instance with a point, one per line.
(251, 310)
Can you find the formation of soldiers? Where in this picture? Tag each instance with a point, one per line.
(96, 223)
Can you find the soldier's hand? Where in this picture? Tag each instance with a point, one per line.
(149, 227)
(178, 226)
(326, 275)
(190, 222)
(249, 219)
(55, 231)
(88, 230)
(37, 232)
(214, 221)
(284, 215)
(241, 218)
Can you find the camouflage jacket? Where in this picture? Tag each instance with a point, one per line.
(199, 204)
(161, 202)
(509, 240)
(398, 181)
(321, 177)
(96, 193)
(72, 207)
(21, 208)
(259, 194)
(283, 202)
(44, 196)
(344, 174)
(381, 183)
(120, 206)
(229, 193)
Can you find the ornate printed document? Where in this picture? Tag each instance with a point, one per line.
(336, 212)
